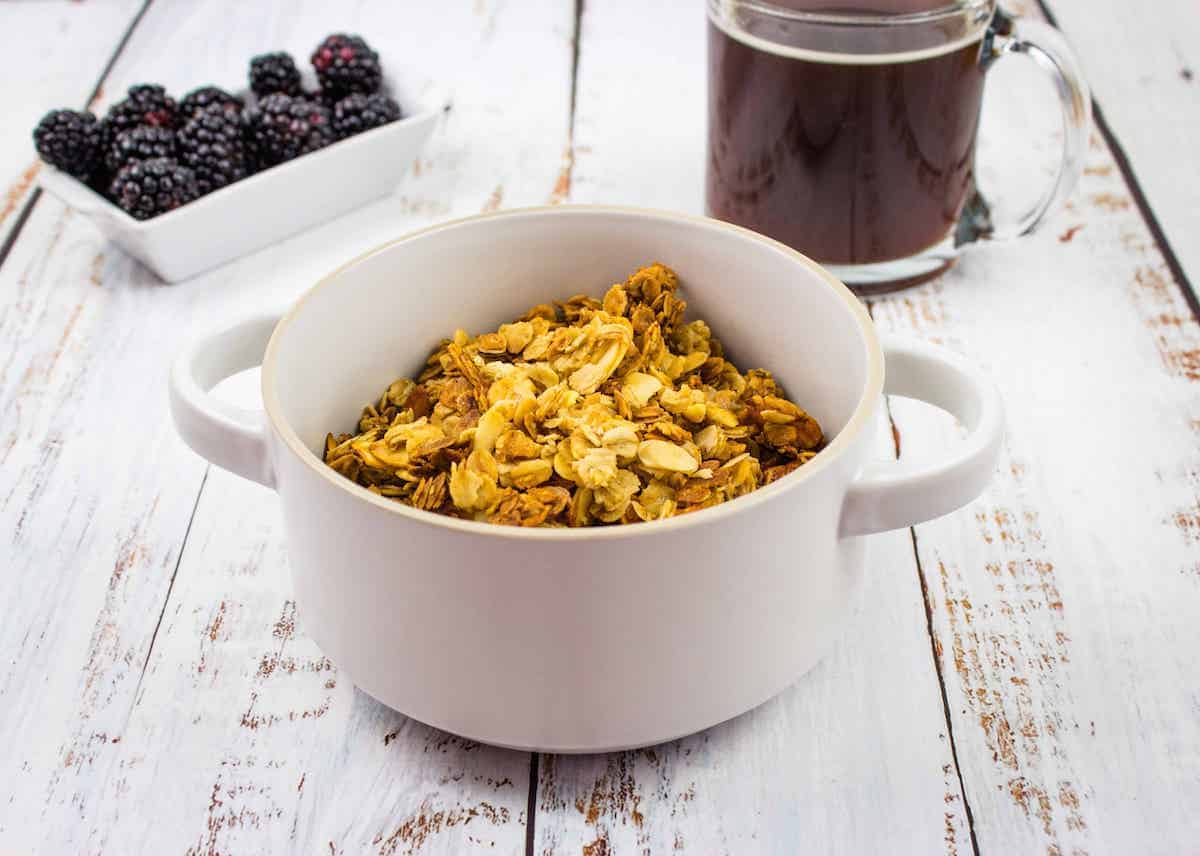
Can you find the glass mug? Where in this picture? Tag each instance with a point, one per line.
(850, 134)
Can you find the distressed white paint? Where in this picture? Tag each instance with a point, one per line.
(1038, 314)
(855, 758)
(861, 736)
(95, 479)
(1074, 708)
(1143, 61)
(54, 55)
(640, 106)
(94, 500)
(263, 745)
(1066, 601)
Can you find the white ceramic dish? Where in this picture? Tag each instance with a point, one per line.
(260, 210)
(574, 640)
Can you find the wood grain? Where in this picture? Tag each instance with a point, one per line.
(1064, 601)
(1062, 745)
(862, 735)
(159, 694)
(1143, 64)
(236, 732)
(264, 746)
(855, 757)
(94, 498)
(55, 53)
(640, 106)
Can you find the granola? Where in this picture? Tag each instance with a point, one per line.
(579, 413)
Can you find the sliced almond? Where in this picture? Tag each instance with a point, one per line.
(661, 455)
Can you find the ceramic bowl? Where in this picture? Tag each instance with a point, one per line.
(579, 640)
(262, 209)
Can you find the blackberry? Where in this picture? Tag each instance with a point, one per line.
(146, 104)
(146, 189)
(211, 145)
(274, 72)
(283, 127)
(141, 143)
(346, 64)
(206, 96)
(69, 140)
(357, 113)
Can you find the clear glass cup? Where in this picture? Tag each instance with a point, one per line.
(851, 135)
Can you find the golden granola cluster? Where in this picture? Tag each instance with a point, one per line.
(579, 413)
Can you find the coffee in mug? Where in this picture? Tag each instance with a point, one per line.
(849, 132)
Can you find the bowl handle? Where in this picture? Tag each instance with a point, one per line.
(229, 436)
(894, 494)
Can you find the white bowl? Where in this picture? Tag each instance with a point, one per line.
(579, 640)
(260, 210)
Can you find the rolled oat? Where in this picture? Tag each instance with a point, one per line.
(580, 413)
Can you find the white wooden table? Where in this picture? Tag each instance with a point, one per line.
(1021, 678)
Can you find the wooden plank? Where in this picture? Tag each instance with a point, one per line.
(639, 124)
(265, 747)
(1064, 603)
(1081, 559)
(856, 757)
(1063, 622)
(1144, 67)
(95, 495)
(54, 54)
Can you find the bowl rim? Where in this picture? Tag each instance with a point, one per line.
(936, 14)
(859, 418)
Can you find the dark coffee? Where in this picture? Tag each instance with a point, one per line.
(848, 162)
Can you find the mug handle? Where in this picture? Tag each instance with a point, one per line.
(229, 436)
(895, 494)
(1009, 36)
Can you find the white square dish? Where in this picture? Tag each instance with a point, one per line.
(262, 209)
